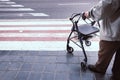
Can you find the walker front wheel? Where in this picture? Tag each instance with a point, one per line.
(70, 49)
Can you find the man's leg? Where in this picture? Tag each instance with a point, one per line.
(105, 54)
(116, 66)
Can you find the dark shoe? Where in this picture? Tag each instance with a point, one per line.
(93, 68)
(114, 77)
(111, 78)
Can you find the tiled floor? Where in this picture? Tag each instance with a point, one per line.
(47, 65)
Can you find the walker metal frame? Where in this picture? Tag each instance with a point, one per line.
(82, 35)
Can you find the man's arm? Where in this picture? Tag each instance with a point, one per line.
(101, 10)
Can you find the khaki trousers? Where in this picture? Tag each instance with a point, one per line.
(105, 54)
(116, 66)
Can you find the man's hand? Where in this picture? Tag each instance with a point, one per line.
(86, 14)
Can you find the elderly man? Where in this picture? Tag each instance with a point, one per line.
(108, 12)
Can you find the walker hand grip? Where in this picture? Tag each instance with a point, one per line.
(74, 17)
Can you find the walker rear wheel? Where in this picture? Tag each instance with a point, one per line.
(83, 66)
(88, 43)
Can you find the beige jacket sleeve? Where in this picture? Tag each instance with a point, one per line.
(104, 9)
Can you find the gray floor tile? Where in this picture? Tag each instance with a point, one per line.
(75, 76)
(47, 76)
(47, 65)
(3, 65)
(22, 75)
(50, 67)
(34, 76)
(62, 68)
(61, 76)
(14, 65)
(9, 75)
(26, 67)
(38, 67)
